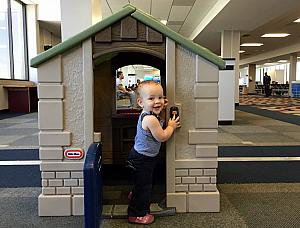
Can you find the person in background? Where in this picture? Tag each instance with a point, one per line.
(144, 154)
(122, 92)
(134, 86)
(267, 81)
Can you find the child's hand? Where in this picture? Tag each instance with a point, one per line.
(174, 122)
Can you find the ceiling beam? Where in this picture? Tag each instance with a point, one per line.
(271, 54)
(216, 9)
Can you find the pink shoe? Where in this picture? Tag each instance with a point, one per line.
(129, 195)
(147, 219)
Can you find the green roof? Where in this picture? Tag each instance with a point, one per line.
(140, 16)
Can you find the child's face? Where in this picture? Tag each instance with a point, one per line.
(151, 98)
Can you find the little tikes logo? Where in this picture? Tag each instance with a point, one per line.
(74, 153)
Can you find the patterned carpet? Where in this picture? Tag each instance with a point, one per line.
(286, 105)
(272, 101)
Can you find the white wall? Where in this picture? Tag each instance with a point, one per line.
(33, 39)
(279, 76)
(49, 10)
(78, 15)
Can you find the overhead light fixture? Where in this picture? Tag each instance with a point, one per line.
(251, 44)
(282, 61)
(276, 35)
(268, 64)
(298, 20)
(164, 21)
(241, 51)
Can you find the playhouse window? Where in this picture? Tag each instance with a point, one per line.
(132, 75)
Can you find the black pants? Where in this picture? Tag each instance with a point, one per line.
(267, 90)
(139, 204)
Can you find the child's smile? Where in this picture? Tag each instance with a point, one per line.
(152, 99)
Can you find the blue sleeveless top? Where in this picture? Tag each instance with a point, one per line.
(145, 143)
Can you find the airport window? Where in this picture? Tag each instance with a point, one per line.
(13, 50)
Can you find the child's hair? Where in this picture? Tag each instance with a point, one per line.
(119, 73)
(142, 84)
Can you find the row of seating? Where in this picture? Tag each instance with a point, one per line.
(277, 89)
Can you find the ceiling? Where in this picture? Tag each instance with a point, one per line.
(254, 20)
(204, 20)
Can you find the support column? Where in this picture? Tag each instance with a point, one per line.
(293, 71)
(33, 38)
(77, 15)
(230, 46)
(252, 77)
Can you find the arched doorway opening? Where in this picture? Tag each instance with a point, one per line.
(118, 126)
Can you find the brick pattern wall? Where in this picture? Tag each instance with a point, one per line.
(61, 183)
(195, 180)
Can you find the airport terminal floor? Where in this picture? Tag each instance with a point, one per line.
(258, 175)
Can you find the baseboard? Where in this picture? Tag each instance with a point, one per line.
(225, 122)
(4, 111)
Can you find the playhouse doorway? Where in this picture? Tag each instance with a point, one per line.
(118, 125)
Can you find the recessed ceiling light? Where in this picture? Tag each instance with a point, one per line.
(282, 61)
(252, 44)
(268, 64)
(241, 51)
(298, 20)
(164, 21)
(276, 35)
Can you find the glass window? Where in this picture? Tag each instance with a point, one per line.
(4, 42)
(18, 40)
(13, 52)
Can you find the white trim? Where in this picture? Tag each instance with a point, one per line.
(170, 92)
(88, 91)
(257, 159)
(7, 163)
(4, 145)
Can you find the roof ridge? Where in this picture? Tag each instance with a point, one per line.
(139, 15)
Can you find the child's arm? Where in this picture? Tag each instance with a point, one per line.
(152, 124)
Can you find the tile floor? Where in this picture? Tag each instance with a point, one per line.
(247, 130)
(20, 132)
(253, 130)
